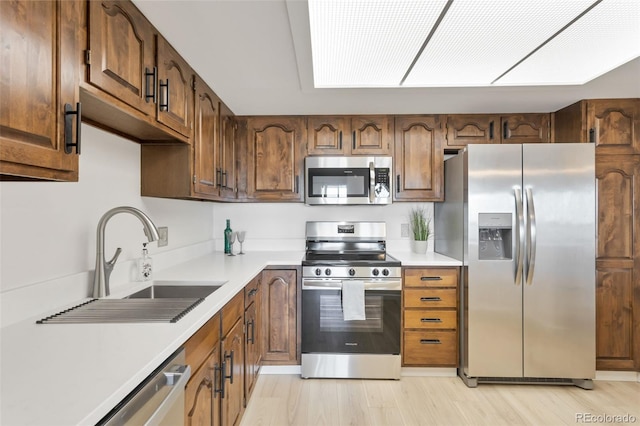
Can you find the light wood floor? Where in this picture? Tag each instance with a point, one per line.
(281, 400)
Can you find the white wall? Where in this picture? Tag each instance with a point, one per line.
(47, 229)
(281, 226)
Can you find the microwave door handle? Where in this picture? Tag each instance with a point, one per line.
(372, 181)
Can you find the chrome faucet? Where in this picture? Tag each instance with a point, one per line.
(104, 268)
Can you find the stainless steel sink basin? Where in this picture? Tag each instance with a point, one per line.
(177, 290)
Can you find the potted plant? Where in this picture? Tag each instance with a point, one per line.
(420, 223)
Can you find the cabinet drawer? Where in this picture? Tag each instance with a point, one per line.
(430, 277)
(429, 318)
(430, 348)
(200, 345)
(232, 312)
(251, 291)
(430, 298)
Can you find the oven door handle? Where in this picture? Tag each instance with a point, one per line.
(372, 182)
(369, 285)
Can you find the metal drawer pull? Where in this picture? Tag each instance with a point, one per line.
(253, 292)
(430, 278)
(430, 299)
(430, 320)
(429, 341)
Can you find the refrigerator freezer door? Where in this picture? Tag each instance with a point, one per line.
(559, 298)
(492, 300)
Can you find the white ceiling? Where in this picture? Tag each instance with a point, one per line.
(255, 54)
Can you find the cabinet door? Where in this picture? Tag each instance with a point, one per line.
(475, 128)
(122, 46)
(280, 317)
(618, 263)
(228, 184)
(613, 125)
(175, 91)
(252, 349)
(276, 147)
(233, 370)
(525, 128)
(328, 135)
(206, 140)
(39, 76)
(372, 135)
(418, 159)
(202, 403)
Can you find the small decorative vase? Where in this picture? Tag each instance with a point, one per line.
(419, 247)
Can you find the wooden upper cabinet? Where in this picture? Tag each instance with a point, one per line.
(227, 165)
(418, 159)
(39, 68)
(175, 89)
(122, 46)
(275, 158)
(612, 124)
(350, 135)
(484, 128)
(206, 140)
(474, 128)
(525, 128)
(618, 263)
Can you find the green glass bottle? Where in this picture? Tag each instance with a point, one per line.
(227, 232)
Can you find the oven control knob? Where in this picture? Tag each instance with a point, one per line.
(327, 271)
(375, 272)
(385, 272)
(318, 271)
(352, 272)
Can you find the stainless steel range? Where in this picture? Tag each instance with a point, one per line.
(351, 302)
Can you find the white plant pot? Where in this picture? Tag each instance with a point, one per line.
(419, 247)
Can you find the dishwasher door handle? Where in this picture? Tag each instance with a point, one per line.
(177, 380)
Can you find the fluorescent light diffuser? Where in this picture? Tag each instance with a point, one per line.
(477, 41)
(367, 43)
(603, 39)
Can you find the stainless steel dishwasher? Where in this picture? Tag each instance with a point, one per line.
(159, 400)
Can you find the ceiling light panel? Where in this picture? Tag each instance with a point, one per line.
(603, 39)
(478, 40)
(367, 43)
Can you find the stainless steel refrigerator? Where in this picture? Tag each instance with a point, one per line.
(522, 220)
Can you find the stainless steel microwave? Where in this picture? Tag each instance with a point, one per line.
(348, 180)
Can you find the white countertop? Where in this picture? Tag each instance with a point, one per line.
(67, 374)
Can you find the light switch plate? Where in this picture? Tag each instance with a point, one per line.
(163, 232)
(404, 230)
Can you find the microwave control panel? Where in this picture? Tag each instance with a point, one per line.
(382, 189)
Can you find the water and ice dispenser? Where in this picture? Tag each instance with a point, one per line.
(494, 236)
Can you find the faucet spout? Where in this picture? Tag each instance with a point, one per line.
(104, 267)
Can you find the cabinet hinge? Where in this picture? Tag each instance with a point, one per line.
(194, 179)
(193, 82)
(87, 57)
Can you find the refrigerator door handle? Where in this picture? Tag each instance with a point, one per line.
(517, 192)
(531, 236)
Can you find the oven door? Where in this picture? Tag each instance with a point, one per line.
(325, 331)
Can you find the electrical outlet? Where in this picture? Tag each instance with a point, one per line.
(163, 232)
(404, 230)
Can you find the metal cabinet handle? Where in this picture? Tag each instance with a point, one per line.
(296, 185)
(164, 99)
(219, 177)
(340, 140)
(68, 126)
(506, 134)
(216, 379)
(592, 135)
(154, 77)
(230, 376)
(397, 183)
(491, 130)
(222, 369)
(251, 337)
(430, 278)
(253, 292)
(353, 137)
(431, 320)
(224, 180)
(429, 341)
(430, 299)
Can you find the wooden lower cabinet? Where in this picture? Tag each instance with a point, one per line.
(232, 350)
(618, 263)
(253, 335)
(202, 400)
(280, 326)
(430, 317)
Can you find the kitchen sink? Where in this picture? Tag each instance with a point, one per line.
(177, 290)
